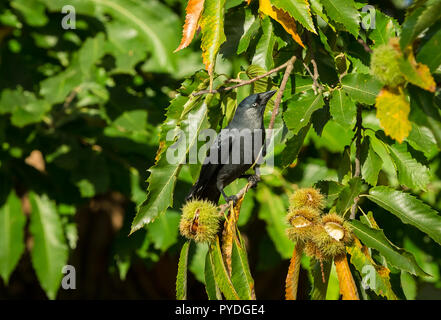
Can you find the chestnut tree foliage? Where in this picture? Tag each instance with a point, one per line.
(87, 108)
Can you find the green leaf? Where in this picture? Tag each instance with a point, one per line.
(220, 272)
(181, 277)
(197, 264)
(421, 138)
(263, 56)
(409, 209)
(273, 212)
(331, 189)
(298, 9)
(429, 53)
(419, 20)
(212, 25)
(12, 223)
(50, 252)
(371, 165)
(298, 112)
(211, 287)
(379, 282)
(342, 108)
(163, 232)
(344, 12)
(164, 173)
(32, 11)
(411, 173)
(319, 287)
(362, 88)
(347, 195)
(375, 238)
(250, 27)
(293, 146)
(240, 271)
(409, 285)
(385, 28)
(24, 106)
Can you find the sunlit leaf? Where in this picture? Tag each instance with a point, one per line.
(193, 13)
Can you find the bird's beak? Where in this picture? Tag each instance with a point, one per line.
(266, 96)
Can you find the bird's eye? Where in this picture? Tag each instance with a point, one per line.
(254, 104)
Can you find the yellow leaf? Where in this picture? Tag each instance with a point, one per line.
(347, 284)
(393, 111)
(428, 83)
(194, 9)
(282, 17)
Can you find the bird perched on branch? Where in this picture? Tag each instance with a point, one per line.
(234, 151)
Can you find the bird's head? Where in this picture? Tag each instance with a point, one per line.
(257, 101)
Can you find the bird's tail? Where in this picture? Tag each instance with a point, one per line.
(204, 192)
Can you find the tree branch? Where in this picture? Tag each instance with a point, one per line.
(357, 172)
(242, 82)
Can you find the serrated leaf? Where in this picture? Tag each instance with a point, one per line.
(181, 277)
(319, 288)
(375, 238)
(331, 189)
(12, 223)
(385, 29)
(298, 9)
(164, 173)
(293, 146)
(379, 281)
(50, 251)
(409, 209)
(342, 108)
(429, 53)
(211, 287)
(240, 271)
(411, 173)
(421, 138)
(212, 25)
(417, 73)
(299, 111)
(422, 18)
(282, 17)
(193, 13)
(362, 88)
(220, 272)
(371, 166)
(393, 112)
(347, 195)
(263, 56)
(344, 12)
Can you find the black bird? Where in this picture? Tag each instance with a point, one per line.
(234, 151)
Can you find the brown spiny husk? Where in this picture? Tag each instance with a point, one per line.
(301, 221)
(307, 197)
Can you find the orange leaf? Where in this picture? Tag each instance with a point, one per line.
(292, 278)
(282, 17)
(345, 280)
(194, 9)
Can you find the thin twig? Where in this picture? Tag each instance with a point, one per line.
(365, 45)
(243, 82)
(357, 172)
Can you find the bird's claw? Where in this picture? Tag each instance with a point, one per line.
(253, 180)
(232, 198)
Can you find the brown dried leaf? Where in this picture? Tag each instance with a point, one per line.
(292, 278)
(347, 284)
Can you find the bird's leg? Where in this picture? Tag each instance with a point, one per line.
(230, 198)
(254, 178)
